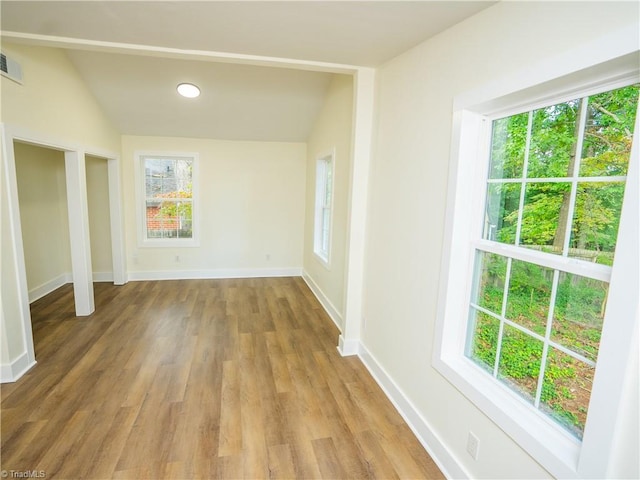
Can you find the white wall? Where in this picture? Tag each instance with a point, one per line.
(407, 205)
(42, 196)
(251, 201)
(331, 132)
(53, 100)
(99, 217)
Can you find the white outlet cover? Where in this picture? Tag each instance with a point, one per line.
(473, 445)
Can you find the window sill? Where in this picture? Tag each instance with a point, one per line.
(556, 449)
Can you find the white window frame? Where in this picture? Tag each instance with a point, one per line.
(563, 455)
(325, 163)
(143, 240)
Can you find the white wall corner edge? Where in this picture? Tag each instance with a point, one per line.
(11, 372)
(331, 310)
(441, 455)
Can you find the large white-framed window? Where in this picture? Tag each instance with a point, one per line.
(166, 186)
(539, 297)
(323, 207)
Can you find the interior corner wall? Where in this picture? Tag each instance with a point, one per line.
(332, 131)
(99, 217)
(250, 203)
(407, 197)
(42, 196)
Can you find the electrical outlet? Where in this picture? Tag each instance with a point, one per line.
(268, 256)
(473, 444)
(177, 258)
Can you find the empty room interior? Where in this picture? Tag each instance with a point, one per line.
(300, 239)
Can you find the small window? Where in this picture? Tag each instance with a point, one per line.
(323, 212)
(167, 199)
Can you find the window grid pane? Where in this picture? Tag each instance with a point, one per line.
(169, 218)
(544, 216)
(596, 218)
(501, 217)
(553, 139)
(531, 333)
(519, 362)
(566, 390)
(578, 314)
(507, 146)
(484, 339)
(529, 296)
(524, 175)
(520, 355)
(608, 131)
(600, 126)
(547, 334)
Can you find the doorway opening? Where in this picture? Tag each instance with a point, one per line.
(42, 200)
(46, 240)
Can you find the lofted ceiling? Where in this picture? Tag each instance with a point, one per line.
(238, 101)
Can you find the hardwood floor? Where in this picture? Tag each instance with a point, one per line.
(200, 379)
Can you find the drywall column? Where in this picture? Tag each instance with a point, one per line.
(117, 223)
(75, 168)
(364, 95)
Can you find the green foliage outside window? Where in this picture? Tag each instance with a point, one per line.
(169, 197)
(554, 139)
(176, 209)
(534, 201)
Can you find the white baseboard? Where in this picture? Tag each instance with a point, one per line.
(348, 347)
(438, 451)
(214, 274)
(13, 371)
(331, 310)
(103, 276)
(48, 287)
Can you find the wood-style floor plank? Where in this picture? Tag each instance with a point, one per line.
(235, 378)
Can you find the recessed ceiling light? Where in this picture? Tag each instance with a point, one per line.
(188, 90)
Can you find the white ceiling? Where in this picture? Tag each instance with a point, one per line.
(239, 102)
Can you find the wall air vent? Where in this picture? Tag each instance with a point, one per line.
(10, 69)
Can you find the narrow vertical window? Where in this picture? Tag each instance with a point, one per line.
(323, 207)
